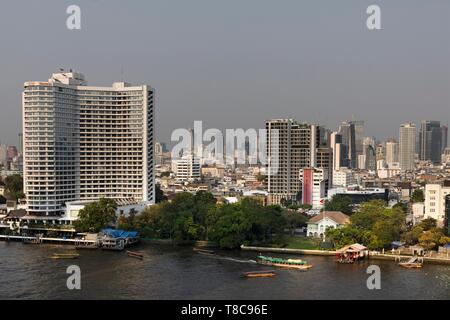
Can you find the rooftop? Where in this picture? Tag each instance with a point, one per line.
(336, 216)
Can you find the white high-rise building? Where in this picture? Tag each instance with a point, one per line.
(391, 151)
(335, 144)
(82, 143)
(407, 146)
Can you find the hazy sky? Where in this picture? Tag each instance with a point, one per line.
(236, 63)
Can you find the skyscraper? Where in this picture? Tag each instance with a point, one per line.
(291, 147)
(430, 137)
(407, 146)
(84, 143)
(369, 154)
(444, 137)
(359, 136)
(335, 144)
(347, 131)
(391, 151)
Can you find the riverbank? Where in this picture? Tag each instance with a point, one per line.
(372, 255)
(290, 251)
(198, 243)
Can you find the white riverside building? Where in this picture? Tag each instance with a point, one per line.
(83, 143)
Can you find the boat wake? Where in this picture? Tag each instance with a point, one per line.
(237, 260)
(215, 256)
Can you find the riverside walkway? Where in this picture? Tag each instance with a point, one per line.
(372, 255)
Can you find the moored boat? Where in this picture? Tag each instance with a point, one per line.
(259, 274)
(65, 255)
(133, 254)
(413, 263)
(284, 263)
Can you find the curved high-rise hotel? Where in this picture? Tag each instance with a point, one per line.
(82, 143)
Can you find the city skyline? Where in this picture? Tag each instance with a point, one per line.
(224, 151)
(312, 62)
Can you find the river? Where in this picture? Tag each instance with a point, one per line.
(166, 272)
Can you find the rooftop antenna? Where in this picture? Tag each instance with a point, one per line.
(121, 74)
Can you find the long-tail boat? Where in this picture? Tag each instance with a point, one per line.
(65, 255)
(259, 274)
(133, 254)
(284, 263)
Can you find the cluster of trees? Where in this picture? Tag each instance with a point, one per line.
(198, 217)
(339, 202)
(13, 188)
(96, 216)
(377, 226)
(417, 196)
(373, 224)
(427, 234)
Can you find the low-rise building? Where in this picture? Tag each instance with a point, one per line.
(386, 170)
(187, 168)
(360, 195)
(435, 200)
(418, 212)
(318, 224)
(343, 177)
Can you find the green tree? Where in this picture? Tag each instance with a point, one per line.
(126, 222)
(268, 223)
(203, 202)
(412, 236)
(402, 206)
(261, 177)
(428, 224)
(294, 220)
(368, 214)
(417, 196)
(381, 225)
(346, 235)
(14, 187)
(339, 203)
(232, 226)
(150, 222)
(159, 194)
(429, 240)
(96, 216)
(444, 240)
